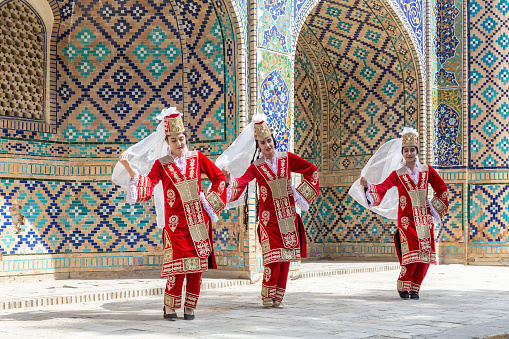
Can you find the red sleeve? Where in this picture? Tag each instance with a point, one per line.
(238, 185)
(146, 184)
(440, 201)
(309, 187)
(216, 196)
(378, 191)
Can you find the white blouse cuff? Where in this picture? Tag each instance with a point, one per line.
(208, 208)
(229, 188)
(299, 200)
(434, 213)
(132, 192)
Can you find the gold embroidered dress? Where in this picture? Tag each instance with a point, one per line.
(280, 230)
(187, 235)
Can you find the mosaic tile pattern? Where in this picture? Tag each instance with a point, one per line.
(307, 109)
(378, 75)
(489, 219)
(87, 217)
(448, 128)
(336, 217)
(274, 100)
(75, 217)
(141, 71)
(412, 14)
(452, 226)
(489, 84)
(119, 63)
(446, 36)
(274, 25)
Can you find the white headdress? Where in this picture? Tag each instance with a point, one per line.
(386, 159)
(142, 156)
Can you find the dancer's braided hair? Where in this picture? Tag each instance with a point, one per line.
(256, 155)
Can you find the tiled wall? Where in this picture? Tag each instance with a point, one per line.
(339, 77)
(117, 65)
(371, 76)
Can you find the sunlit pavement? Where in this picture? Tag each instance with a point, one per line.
(456, 302)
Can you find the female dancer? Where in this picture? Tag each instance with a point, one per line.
(280, 231)
(188, 213)
(414, 239)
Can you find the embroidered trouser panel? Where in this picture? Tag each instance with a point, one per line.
(411, 276)
(173, 292)
(275, 276)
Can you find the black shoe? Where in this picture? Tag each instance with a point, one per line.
(188, 316)
(403, 294)
(171, 316)
(414, 295)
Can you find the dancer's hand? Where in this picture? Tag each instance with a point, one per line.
(125, 162)
(364, 182)
(227, 174)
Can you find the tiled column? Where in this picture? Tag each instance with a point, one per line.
(488, 132)
(448, 152)
(271, 83)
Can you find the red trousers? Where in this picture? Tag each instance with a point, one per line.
(411, 276)
(173, 292)
(275, 276)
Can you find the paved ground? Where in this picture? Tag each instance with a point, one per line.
(456, 302)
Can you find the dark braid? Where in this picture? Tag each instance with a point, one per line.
(246, 197)
(246, 194)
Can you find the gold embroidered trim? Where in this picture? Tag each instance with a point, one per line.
(166, 160)
(307, 191)
(214, 201)
(374, 194)
(438, 205)
(281, 255)
(177, 266)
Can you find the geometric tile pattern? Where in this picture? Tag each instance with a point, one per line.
(452, 228)
(117, 65)
(307, 109)
(275, 101)
(378, 79)
(489, 217)
(226, 231)
(86, 217)
(117, 73)
(489, 84)
(448, 130)
(310, 45)
(75, 217)
(336, 217)
(117, 88)
(273, 19)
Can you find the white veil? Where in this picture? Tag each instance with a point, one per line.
(237, 158)
(386, 159)
(142, 156)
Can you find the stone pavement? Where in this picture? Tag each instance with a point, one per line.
(456, 302)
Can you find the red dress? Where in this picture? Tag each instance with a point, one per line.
(280, 230)
(187, 235)
(414, 239)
